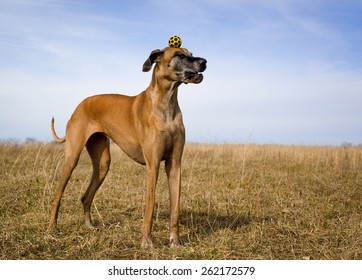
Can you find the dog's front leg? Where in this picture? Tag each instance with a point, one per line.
(173, 171)
(152, 175)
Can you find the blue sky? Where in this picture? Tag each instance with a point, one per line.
(287, 72)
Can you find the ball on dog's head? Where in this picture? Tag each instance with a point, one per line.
(175, 42)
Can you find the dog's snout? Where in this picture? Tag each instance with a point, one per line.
(198, 62)
(203, 63)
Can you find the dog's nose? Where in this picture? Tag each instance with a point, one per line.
(203, 63)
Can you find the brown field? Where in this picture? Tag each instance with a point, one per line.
(238, 202)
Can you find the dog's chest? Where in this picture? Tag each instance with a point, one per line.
(168, 126)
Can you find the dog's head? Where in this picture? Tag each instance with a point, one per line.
(176, 64)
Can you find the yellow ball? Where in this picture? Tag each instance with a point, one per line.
(175, 42)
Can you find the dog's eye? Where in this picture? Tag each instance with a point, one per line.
(180, 55)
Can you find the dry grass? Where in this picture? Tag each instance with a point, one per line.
(238, 202)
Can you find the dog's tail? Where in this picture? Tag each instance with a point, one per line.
(55, 136)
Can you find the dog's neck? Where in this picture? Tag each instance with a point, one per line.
(163, 96)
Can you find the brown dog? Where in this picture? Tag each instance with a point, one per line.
(148, 128)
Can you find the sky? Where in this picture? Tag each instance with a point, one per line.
(279, 71)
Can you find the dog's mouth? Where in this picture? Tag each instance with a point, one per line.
(193, 77)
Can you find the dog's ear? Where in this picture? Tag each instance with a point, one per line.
(147, 66)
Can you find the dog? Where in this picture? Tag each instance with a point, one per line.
(148, 127)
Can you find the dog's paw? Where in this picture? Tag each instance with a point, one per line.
(147, 243)
(174, 243)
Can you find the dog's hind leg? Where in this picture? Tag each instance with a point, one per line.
(98, 149)
(73, 150)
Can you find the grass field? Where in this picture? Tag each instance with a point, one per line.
(238, 202)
